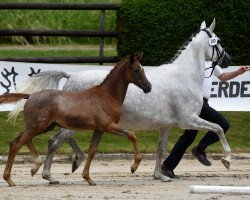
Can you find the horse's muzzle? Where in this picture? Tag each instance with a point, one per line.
(147, 87)
(224, 60)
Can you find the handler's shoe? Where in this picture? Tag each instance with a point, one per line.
(201, 156)
(169, 173)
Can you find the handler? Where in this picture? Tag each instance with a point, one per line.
(207, 113)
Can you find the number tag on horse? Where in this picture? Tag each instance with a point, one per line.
(213, 41)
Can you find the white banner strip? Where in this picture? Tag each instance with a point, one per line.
(233, 95)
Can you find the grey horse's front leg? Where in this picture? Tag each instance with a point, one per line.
(54, 143)
(196, 123)
(79, 154)
(161, 148)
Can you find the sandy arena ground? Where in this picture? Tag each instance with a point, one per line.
(114, 181)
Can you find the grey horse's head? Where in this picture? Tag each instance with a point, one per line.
(215, 52)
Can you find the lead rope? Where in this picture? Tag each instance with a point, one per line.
(213, 67)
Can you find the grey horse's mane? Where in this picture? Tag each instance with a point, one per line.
(183, 47)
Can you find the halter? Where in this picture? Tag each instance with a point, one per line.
(221, 55)
(215, 47)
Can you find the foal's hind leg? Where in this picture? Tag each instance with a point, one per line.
(97, 135)
(54, 143)
(15, 146)
(114, 129)
(38, 161)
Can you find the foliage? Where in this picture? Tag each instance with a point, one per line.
(159, 27)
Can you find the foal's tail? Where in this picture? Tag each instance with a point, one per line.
(44, 80)
(12, 97)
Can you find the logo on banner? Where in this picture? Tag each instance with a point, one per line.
(231, 89)
(8, 79)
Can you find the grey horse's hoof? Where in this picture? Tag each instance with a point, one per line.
(162, 178)
(77, 163)
(54, 182)
(51, 180)
(225, 162)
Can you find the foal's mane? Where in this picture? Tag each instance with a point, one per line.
(117, 65)
(183, 47)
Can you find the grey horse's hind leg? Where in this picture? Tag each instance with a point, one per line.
(197, 123)
(54, 143)
(79, 154)
(162, 140)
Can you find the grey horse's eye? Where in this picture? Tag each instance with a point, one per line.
(136, 70)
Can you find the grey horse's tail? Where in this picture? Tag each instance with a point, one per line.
(38, 82)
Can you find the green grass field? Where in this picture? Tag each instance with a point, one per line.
(238, 137)
(54, 51)
(19, 46)
(56, 20)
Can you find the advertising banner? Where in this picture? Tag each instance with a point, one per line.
(233, 95)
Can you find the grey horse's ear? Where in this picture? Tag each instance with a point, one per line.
(212, 26)
(203, 25)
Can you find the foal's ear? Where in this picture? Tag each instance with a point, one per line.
(132, 57)
(203, 25)
(212, 26)
(139, 57)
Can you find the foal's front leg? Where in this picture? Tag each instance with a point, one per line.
(115, 129)
(97, 135)
(38, 161)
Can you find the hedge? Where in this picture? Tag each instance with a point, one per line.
(160, 27)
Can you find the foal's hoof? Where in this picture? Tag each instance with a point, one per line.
(133, 169)
(11, 184)
(91, 183)
(33, 171)
(225, 162)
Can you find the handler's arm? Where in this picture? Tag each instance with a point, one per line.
(230, 75)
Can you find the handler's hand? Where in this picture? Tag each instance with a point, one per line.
(243, 69)
(246, 68)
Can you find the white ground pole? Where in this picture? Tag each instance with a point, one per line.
(219, 189)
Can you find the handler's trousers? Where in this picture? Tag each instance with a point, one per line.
(207, 113)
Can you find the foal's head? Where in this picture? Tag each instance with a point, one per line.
(135, 73)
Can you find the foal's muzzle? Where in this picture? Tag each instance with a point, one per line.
(146, 87)
(224, 59)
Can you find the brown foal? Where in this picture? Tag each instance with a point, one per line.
(98, 109)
